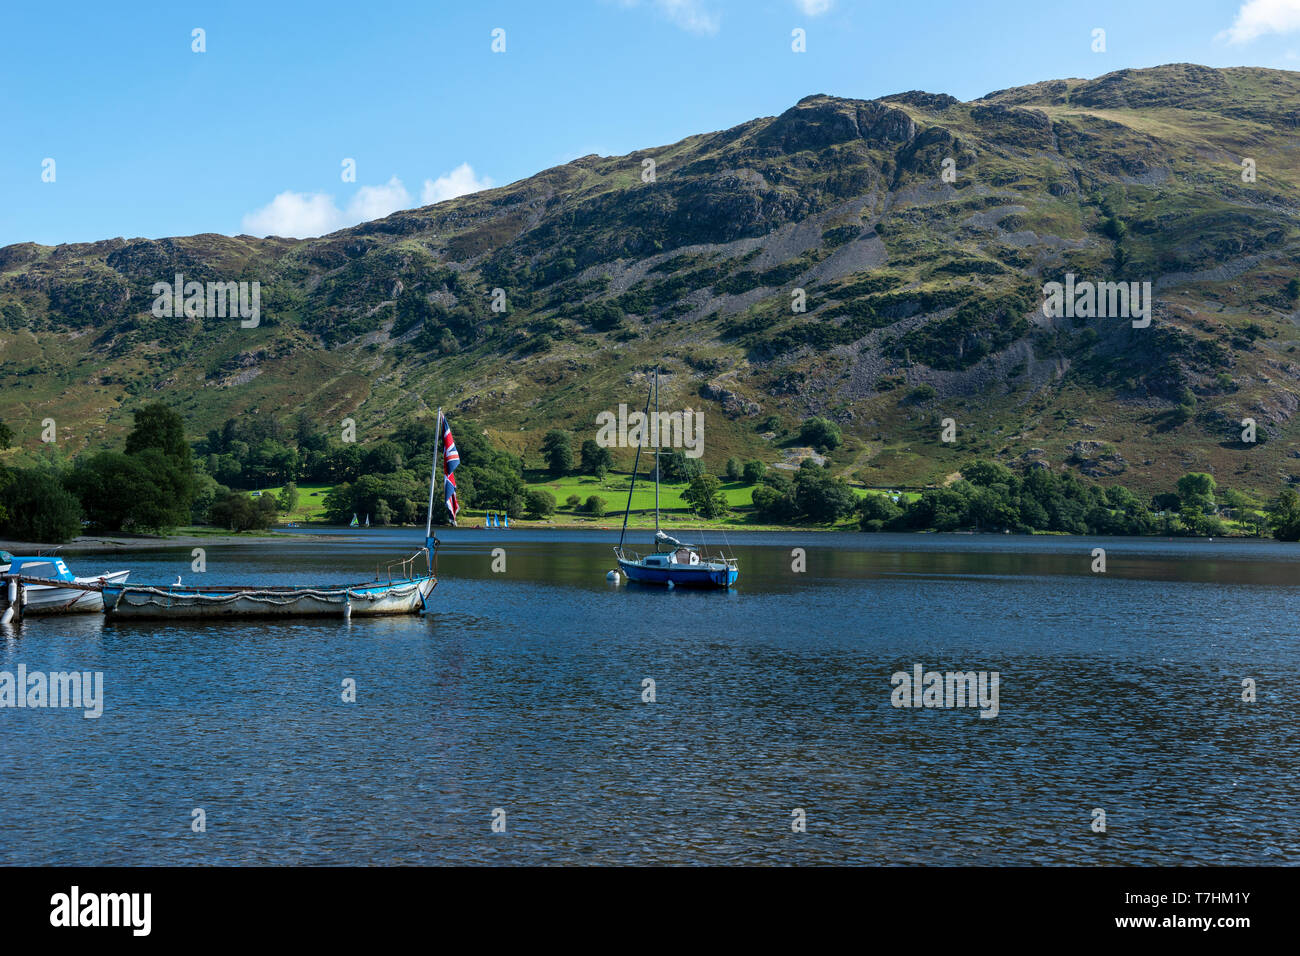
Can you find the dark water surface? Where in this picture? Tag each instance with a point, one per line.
(522, 690)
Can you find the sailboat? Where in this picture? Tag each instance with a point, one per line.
(367, 521)
(679, 564)
(355, 523)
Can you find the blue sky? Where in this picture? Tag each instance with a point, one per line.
(150, 138)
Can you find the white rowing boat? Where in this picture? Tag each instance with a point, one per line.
(401, 596)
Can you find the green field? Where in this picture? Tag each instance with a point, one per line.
(614, 490)
(311, 502)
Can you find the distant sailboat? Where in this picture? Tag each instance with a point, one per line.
(367, 521)
(355, 523)
(682, 564)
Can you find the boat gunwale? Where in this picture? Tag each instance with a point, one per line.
(273, 588)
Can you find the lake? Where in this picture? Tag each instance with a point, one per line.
(522, 691)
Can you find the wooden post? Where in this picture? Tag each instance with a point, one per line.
(11, 599)
(22, 599)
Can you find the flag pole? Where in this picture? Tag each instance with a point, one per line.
(433, 481)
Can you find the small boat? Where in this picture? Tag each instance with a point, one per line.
(367, 521)
(681, 565)
(355, 523)
(50, 588)
(405, 593)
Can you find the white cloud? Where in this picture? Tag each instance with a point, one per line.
(307, 215)
(691, 15)
(1256, 18)
(813, 8)
(459, 182)
(297, 215)
(376, 202)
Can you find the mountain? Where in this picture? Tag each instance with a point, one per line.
(923, 296)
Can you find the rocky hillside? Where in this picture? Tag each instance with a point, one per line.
(922, 292)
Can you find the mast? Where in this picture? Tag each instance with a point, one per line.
(433, 480)
(656, 457)
(636, 463)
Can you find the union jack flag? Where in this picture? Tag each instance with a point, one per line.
(450, 459)
(450, 456)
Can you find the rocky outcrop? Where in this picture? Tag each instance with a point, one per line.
(1093, 459)
(732, 404)
(816, 122)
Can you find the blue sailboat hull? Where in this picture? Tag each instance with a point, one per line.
(683, 576)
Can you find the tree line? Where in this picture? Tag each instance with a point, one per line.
(158, 481)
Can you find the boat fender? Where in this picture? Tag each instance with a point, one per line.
(613, 577)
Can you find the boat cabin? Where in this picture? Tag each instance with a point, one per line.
(52, 569)
(662, 560)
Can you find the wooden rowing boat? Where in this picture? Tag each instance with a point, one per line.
(401, 595)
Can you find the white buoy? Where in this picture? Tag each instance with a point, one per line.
(347, 611)
(613, 577)
(670, 585)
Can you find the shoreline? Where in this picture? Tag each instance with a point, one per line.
(112, 544)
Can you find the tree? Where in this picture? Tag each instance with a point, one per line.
(573, 502)
(595, 506)
(675, 466)
(733, 469)
(206, 491)
(147, 491)
(1284, 515)
(382, 459)
(773, 498)
(236, 511)
(1166, 501)
(344, 463)
(821, 497)
(821, 433)
(595, 459)
(288, 499)
(1196, 490)
(987, 473)
(876, 511)
(557, 452)
(1200, 524)
(157, 426)
(1232, 498)
(38, 508)
(6, 436)
(704, 494)
(753, 471)
(539, 503)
